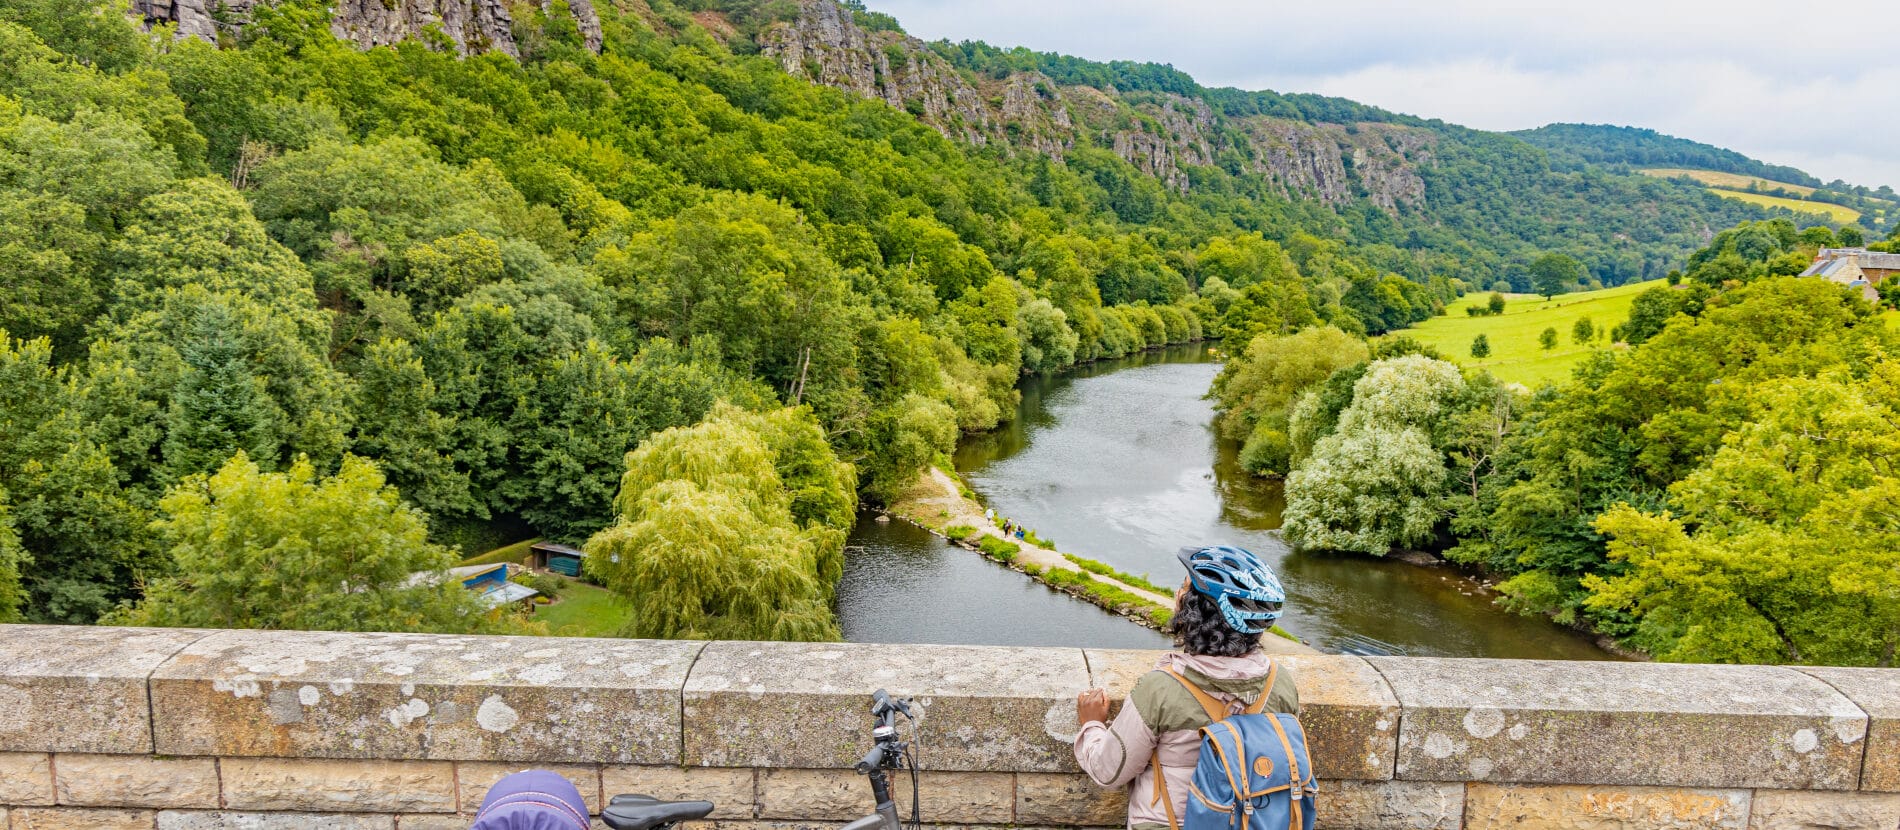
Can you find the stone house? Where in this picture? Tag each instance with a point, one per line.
(1855, 268)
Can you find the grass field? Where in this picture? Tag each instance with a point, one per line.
(585, 611)
(1515, 353)
(1727, 181)
(1838, 213)
(1734, 185)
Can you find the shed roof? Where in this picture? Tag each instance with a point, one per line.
(556, 547)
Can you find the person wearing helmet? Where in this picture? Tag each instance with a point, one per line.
(1228, 600)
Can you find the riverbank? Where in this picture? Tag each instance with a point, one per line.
(939, 502)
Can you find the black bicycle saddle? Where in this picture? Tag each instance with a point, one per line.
(644, 812)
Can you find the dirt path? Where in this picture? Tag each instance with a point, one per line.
(937, 502)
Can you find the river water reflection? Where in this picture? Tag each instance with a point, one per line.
(1116, 462)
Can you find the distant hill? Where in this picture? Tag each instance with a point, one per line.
(1420, 196)
(1577, 144)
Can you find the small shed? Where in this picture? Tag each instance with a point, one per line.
(557, 558)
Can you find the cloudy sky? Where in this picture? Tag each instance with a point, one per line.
(1778, 81)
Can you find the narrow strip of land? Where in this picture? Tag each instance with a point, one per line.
(937, 502)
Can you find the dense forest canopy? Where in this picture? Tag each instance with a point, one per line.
(451, 297)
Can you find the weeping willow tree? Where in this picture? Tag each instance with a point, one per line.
(730, 530)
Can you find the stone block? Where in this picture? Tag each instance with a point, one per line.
(434, 821)
(286, 784)
(1810, 810)
(226, 820)
(807, 706)
(474, 778)
(730, 790)
(415, 696)
(26, 778)
(1389, 805)
(137, 781)
(1876, 692)
(80, 688)
(79, 818)
(1069, 801)
(1640, 724)
(843, 795)
(1493, 806)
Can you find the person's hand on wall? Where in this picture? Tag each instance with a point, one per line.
(1091, 707)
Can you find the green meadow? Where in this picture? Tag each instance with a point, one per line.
(1516, 355)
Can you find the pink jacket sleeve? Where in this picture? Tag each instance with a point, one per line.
(1114, 754)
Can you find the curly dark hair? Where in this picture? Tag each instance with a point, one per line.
(1199, 628)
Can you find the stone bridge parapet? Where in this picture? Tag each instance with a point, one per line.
(170, 729)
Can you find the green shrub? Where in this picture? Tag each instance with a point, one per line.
(1032, 569)
(998, 549)
(1093, 566)
(959, 531)
(548, 584)
(1031, 537)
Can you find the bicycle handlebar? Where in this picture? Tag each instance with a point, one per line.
(871, 760)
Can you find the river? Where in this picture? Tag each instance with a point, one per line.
(1116, 461)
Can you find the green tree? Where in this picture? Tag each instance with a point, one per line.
(1256, 392)
(13, 559)
(1786, 550)
(69, 503)
(295, 550)
(1481, 346)
(1583, 331)
(1548, 338)
(1553, 274)
(1495, 304)
(706, 544)
(1377, 481)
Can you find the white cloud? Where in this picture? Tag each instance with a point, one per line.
(1817, 90)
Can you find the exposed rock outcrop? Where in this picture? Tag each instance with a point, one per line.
(1160, 134)
(473, 26)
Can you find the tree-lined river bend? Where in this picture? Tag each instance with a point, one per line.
(1117, 462)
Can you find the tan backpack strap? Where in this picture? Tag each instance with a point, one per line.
(1161, 792)
(1216, 710)
(1260, 703)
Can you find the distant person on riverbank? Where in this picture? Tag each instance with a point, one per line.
(1229, 599)
(989, 515)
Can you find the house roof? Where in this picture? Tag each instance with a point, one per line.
(1867, 259)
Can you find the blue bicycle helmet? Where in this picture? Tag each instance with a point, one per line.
(1249, 595)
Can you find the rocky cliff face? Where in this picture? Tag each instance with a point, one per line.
(1161, 134)
(474, 26)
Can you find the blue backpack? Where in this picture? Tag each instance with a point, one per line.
(1254, 772)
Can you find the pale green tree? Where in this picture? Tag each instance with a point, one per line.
(1048, 342)
(1256, 392)
(706, 543)
(1379, 479)
(1366, 490)
(295, 550)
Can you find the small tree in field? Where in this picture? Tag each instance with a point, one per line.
(1583, 332)
(1481, 346)
(1548, 339)
(1554, 274)
(1496, 304)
